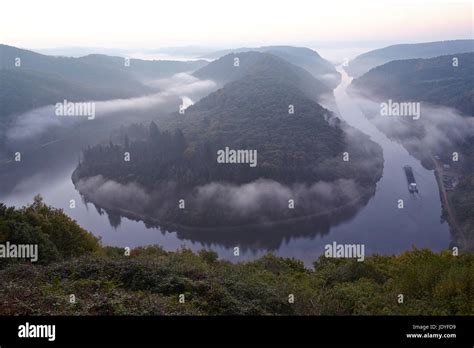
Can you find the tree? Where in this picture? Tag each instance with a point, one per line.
(154, 137)
(153, 131)
(126, 141)
(179, 142)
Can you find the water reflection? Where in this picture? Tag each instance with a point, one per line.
(269, 236)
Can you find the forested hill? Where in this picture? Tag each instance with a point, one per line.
(364, 62)
(303, 57)
(435, 80)
(265, 66)
(254, 113)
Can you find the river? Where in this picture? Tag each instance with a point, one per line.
(380, 225)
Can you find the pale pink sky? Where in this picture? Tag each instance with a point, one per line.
(152, 23)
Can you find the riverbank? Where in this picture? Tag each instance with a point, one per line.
(459, 237)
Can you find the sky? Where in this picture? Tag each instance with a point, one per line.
(226, 23)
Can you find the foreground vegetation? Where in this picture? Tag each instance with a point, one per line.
(150, 280)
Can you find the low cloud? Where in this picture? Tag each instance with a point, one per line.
(260, 200)
(181, 87)
(438, 127)
(109, 193)
(265, 197)
(182, 84)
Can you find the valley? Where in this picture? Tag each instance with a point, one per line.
(302, 237)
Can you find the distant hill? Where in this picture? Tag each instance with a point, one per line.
(433, 80)
(364, 62)
(23, 90)
(96, 70)
(223, 71)
(43, 80)
(80, 51)
(303, 57)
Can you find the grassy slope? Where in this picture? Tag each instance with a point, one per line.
(150, 281)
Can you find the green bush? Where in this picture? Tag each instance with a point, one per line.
(57, 235)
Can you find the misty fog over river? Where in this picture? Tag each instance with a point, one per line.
(380, 225)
